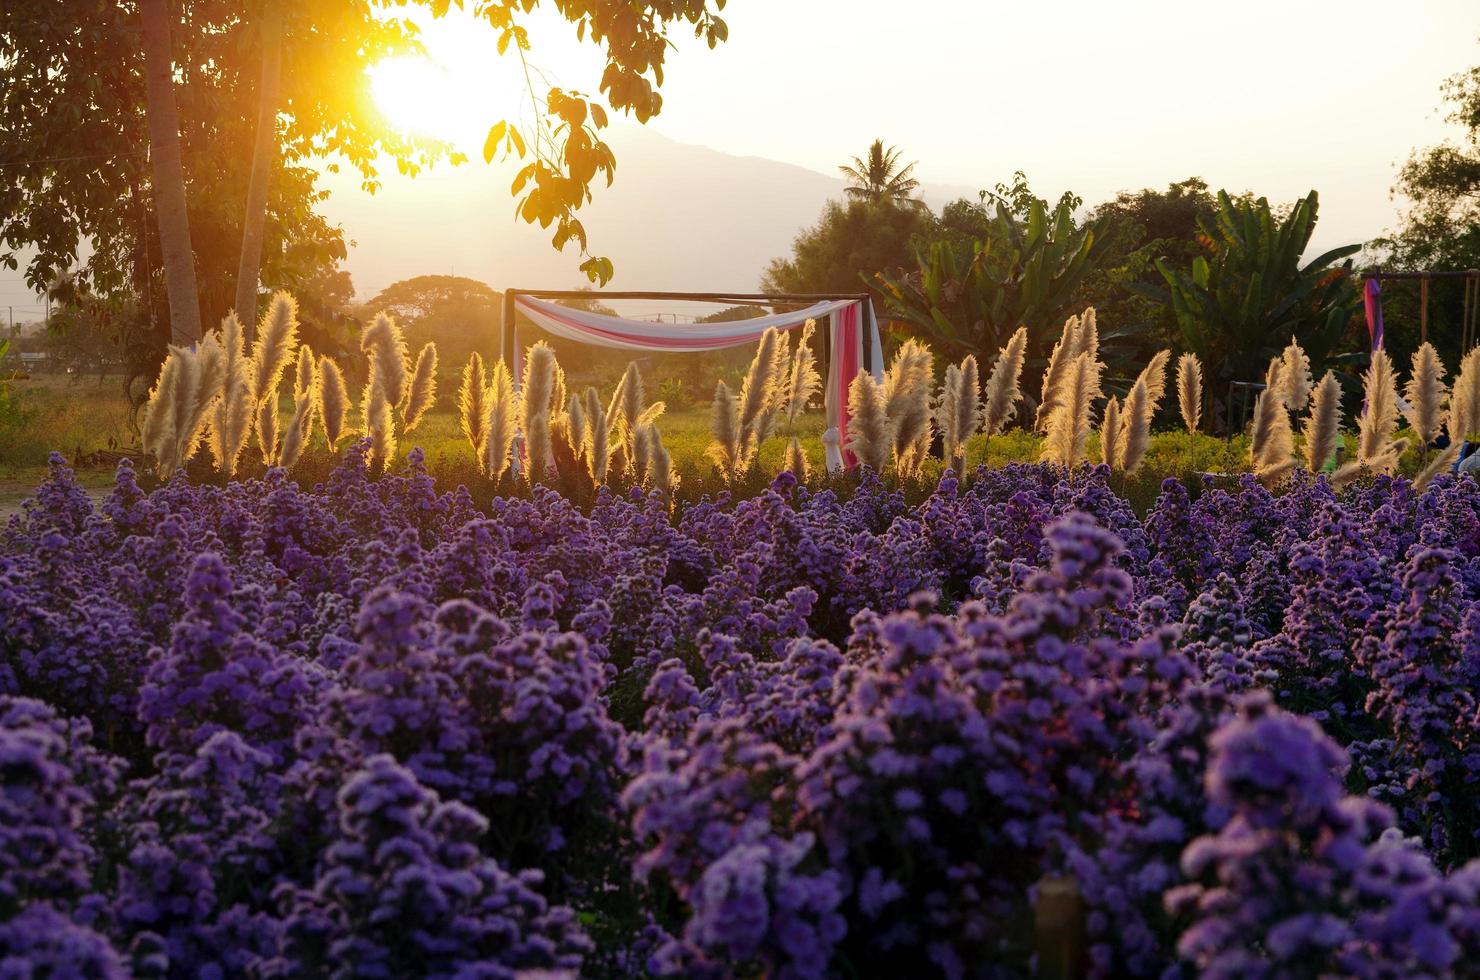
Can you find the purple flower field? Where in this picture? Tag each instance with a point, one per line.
(371, 730)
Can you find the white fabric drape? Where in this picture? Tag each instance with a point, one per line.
(848, 322)
(614, 331)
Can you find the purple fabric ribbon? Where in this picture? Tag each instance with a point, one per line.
(1372, 296)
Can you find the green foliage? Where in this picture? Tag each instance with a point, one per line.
(1440, 230)
(673, 392)
(732, 313)
(565, 151)
(1155, 224)
(76, 170)
(850, 243)
(1241, 301)
(458, 314)
(1024, 267)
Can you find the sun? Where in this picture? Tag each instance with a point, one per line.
(422, 98)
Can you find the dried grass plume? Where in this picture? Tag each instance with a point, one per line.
(333, 401)
(1323, 425)
(1189, 390)
(1003, 392)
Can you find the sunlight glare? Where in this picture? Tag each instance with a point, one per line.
(422, 98)
(461, 86)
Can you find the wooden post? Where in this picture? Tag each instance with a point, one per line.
(506, 331)
(1058, 928)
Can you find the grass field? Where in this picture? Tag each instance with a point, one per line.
(88, 421)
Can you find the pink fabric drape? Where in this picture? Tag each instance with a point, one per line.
(848, 361)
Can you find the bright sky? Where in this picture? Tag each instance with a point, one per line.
(1274, 97)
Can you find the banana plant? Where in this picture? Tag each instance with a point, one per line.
(969, 298)
(1240, 305)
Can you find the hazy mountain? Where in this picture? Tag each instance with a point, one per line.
(679, 218)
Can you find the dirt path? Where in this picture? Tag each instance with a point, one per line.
(14, 493)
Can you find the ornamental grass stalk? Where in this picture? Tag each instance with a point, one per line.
(300, 424)
(231, 415)
(1060, 365)
(1377, 450)
(726, 445)
(472, 406)
(1425, 394)
(385, 346)
(802, 381)
(907, 399)
(379, 424)
(333, 401)
(1189, 390)
(422, 392)
(1464, 400)
(1295, 377)
(277, 341)
(539, 386)
(501, 422)
(870, 433)
(1140, 408)
(1323, 425)
(1110, 434)
(598, 452)
(1069, 422)
(1003, 392)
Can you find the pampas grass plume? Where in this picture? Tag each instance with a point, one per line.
(795, 461)
(1272, 443)
(1425, 394)
(1068, 424)
(803, 380)
(333, 401)
(300, 424)
(575, 426)
(159, 413)
(1135, 427)
(726, 449)
(472, 405)
(385, 345)
(1376, 449)
(1060, 364)
(539, 386)
(1003, 392)
(500, 423)
(379, 425)
(1323, 426)
(870, 433)
(277, 336)
(1464, 400)
(1189, 390)
(598, 455)
(267, 427)
(756, 394)
(231, 416)
(1110, 429)
(423, 391)
(1295, 377)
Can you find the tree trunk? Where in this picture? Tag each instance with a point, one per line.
(169, 174)
(250, 266)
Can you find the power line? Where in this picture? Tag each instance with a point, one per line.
(83, 156)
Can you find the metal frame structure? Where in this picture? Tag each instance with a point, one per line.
(509, 334)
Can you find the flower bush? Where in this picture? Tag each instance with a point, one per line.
(371, 729)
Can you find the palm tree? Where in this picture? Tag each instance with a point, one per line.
(880, 178)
